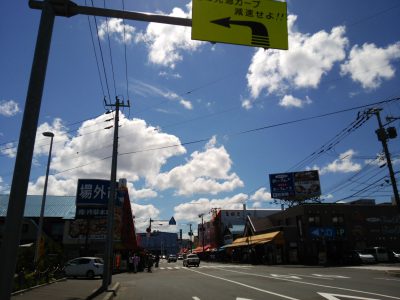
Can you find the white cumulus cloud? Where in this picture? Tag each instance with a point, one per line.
(302, 66)
(207, 172)
(166, 42)
(116, 28)
(370, 65)
(9, 108)
(291, 101)
(343, 164)
(189, 212)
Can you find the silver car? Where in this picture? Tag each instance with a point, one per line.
(84, 267)
(191, 260)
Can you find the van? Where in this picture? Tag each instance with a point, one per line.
(381, 254)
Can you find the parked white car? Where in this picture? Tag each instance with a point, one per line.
(84, 267)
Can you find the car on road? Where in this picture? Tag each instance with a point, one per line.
(394, 255)
(381, 254)
(359, 257)
(191, 260)
(172, 257)
(180, 257)
(84, 267)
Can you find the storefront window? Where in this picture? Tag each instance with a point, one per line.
(337, 219)
(313, 220)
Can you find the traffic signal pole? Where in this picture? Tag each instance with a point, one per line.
(23, 162)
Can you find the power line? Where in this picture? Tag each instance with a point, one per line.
(101, 54)
(254, 130)
(110, 52)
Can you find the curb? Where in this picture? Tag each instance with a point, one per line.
(37, 286)
(109, 294)
(393, 273)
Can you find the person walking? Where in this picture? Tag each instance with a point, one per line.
(157, 260)
(149, 262)
(136, 260)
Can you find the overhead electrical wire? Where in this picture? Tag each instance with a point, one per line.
(110, 52)
(101, 54)
(95, 54)
(255, 129)
(125, 56)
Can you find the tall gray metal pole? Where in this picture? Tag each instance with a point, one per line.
(108, 255)
(40, 229)
(23, 162)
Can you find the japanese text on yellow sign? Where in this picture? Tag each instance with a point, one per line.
(258, 23)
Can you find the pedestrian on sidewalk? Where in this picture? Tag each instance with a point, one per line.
(157, 260)
(149, 262)
(136, 260)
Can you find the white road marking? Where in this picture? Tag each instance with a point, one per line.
(177, 268)
(195, 298)
(338, 297)
(329, 276)
(389, 279)
(245, 285)
(169, 268)
(302, 275)
(315, 284)
(286, 276)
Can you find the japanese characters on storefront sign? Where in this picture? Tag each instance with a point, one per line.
(92, 198)
(93, 192)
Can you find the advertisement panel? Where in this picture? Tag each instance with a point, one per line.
(295, 185)
(306, 184)
(281, 185)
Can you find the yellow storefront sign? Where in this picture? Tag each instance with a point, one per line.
(257, 23)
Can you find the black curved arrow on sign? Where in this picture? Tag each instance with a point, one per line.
(259, 32)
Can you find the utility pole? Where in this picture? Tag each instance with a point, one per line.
(23, 161)
(108, 254)
(383, 136)
(202, 231)
(190, 237)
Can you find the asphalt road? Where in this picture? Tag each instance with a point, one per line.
(242, 282)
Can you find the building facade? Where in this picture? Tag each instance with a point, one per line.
(323, 233)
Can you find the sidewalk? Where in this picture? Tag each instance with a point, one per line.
(71, 289)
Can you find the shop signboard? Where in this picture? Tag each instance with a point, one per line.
(92, 198)
(92, 192)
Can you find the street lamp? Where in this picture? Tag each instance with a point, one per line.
(39, 233)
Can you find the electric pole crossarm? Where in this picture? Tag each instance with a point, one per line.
(69, 9)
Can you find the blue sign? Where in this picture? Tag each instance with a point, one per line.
(329, 232)
(282, 185)
(92, 192)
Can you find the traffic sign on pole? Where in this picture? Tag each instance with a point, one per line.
(257, 23)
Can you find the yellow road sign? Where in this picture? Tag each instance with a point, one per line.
(257, 23)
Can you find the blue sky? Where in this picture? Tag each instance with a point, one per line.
(208, 122)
